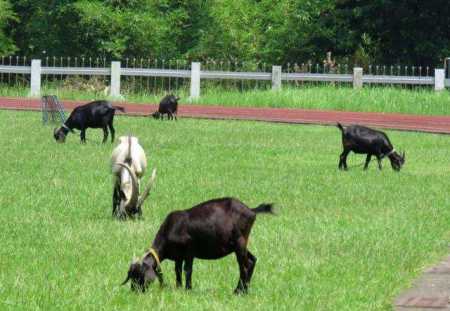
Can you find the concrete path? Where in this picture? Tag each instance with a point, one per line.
(430, 292)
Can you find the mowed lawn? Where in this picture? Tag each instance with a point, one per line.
(341, 240)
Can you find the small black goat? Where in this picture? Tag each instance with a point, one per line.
(210, 230)
(168, 105)
(364, 140)
(97, 114)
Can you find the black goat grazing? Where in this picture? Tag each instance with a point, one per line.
(364, 140)
(97, 114)
(210, 230)
(168, 105)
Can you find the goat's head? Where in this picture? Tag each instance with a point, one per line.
(130, 202)
(60, 133)
(174, 99)
(142, 274)
(397, 160)
(156, 115)
(128, 197)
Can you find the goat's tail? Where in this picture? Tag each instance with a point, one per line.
(128, 157)
(264, 208)
(119, 108)
(339, 125)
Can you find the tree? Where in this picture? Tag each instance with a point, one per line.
(7, 15)
(402, 31)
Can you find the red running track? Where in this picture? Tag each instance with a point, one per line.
(433, 124)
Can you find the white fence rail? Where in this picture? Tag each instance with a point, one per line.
(196, 75)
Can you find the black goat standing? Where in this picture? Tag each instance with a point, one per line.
(210, 230)
(364, 140)
(168, 105)
(97, 114)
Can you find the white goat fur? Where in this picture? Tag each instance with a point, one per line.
(138, 162)
(138, 158)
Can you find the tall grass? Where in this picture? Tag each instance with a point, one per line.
(341, 241)
(368, 99)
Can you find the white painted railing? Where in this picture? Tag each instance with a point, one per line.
(196, 75)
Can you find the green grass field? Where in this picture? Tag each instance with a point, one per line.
(369, 99)
(341, 241)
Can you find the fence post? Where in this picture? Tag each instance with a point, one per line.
(115, 80)
(439, 79)
(195, 80)
(276, 77)
(357, 77)
(35, 83)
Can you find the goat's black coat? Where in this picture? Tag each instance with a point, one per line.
(97, 114)
(210, 230)
(364, 140)
(168, 105)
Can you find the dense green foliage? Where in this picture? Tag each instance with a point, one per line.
(6, 15)
(385, 31)
(341, 241)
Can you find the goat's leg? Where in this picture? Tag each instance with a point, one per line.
(379, 162)
(83, 136)
(139, 211)
(188, 271)
(105, 134)
(343, 159)
(242, 259)
(116, 200)
(178, 272)
(367, 161)
(175, 114)
(252, 263)
(111, 129)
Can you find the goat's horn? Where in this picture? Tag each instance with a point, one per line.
(403, 155)
(147, 189)
(126, 280)
(134, 186)
(135, 259)
(55, 130)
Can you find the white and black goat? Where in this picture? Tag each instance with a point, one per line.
(128, 163)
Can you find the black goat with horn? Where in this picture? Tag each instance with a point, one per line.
(364, 140)
(210, 230)
(97, 114)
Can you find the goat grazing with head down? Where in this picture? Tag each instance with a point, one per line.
(209, 230)
(129, 163)
(364, 140)
(168, 105)
(97, 114)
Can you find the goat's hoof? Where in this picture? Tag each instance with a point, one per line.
(240, 291)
